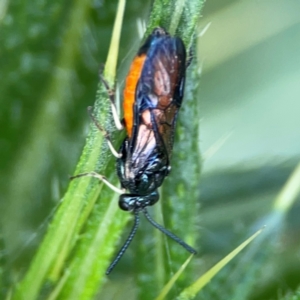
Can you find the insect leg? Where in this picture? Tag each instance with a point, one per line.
(101, 178)
(126, 244)
(190, 57)
(169, 234)
(111, 95)
(105, 133)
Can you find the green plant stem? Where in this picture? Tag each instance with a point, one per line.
(179, 193)
(54, 255)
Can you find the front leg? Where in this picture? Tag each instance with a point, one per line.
(101, 178)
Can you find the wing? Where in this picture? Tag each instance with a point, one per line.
(147, 150)
(159, 95)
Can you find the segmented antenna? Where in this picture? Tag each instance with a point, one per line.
(126, 244)
(169, 234)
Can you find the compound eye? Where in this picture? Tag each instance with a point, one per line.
(127, 202)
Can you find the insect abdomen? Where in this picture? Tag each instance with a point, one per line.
(129, 91)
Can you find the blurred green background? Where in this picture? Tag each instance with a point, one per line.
(249, 94)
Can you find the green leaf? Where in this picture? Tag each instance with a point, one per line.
(191, 291)
(56, 254)
(172, 281)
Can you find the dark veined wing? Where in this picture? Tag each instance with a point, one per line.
(159, 95)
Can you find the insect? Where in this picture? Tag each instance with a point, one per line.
(153, 94)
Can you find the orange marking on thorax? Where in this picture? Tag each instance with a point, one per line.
(129, 91)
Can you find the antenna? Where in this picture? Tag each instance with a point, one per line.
(169, 234)
(126, 244)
